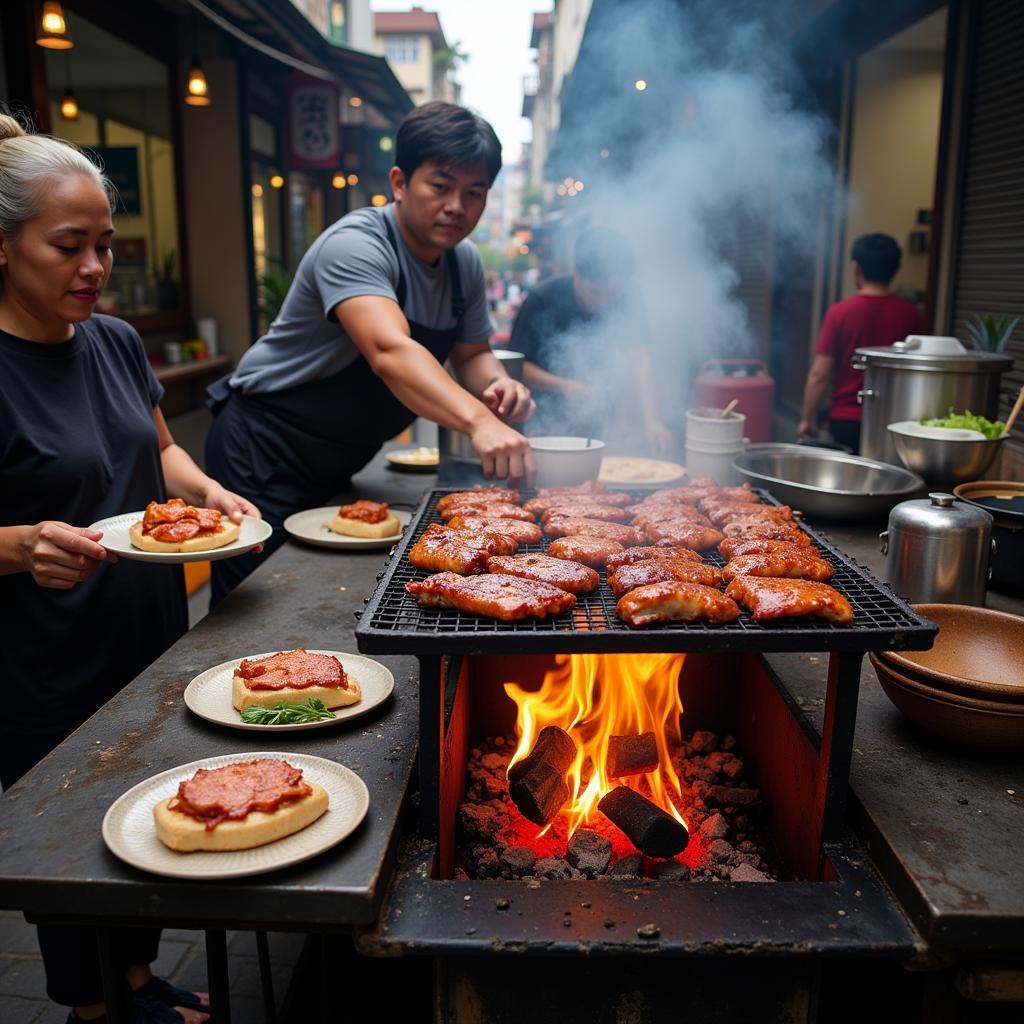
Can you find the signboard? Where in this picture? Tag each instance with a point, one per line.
(121, 165)
(313, 122)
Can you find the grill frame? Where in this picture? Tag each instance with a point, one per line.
(393, 623)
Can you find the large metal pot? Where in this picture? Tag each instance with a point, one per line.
(920, 377)
(455, 446)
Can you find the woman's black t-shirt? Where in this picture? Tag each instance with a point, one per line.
(77, 444)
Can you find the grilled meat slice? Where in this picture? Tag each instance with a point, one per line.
(722, 514)
(733, 547)
(678, 514)
(539, 505)
(571, 576)
(445, 549)
(496, 596)
(646, 554)
(568, 526)
(761, 529)
(675, 602)
(768, 599)
(585, 510)
(682, 534)
(489, 509)
(800, 566)
(519, 531)
(660, 570)
(592, 551)
(475, 497)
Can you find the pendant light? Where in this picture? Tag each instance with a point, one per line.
(198, 92)
(69, 105)
(53, 28)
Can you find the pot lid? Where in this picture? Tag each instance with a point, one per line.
(1004, 499)
(938, 513)
(924, 352)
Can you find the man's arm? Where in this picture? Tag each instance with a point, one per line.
(814, 392)
(539, 379)
(480, 372)
(380, 331)
(659, 437)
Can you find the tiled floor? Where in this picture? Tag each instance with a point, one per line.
(182, 961)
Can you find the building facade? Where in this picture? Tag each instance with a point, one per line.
(415, 46)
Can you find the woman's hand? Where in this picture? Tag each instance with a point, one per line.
(232, 505)
(58, 555)
(509, 399)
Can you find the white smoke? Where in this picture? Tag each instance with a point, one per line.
(723, 168)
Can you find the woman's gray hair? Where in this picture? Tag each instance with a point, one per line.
(27, 160)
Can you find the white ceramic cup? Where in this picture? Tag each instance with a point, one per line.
(710, 425)
(566, 461)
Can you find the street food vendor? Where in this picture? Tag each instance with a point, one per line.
(379, 301)
(82, 438)
(583, 334)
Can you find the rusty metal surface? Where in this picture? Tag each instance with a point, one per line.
(943, 824)
(54, 860)
(854, 916)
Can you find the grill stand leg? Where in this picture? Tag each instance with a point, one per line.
(115, 994)
(836, 753)
(217, 972)
(431, 732)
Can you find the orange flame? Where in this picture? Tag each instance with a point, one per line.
(594, 697)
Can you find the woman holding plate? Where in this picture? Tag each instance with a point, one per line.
(81, 438)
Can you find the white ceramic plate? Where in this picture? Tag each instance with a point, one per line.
(627, 469)
(129, 831)
(115, 538)
(414, 460)
(209, 694)
(914, 429)
(311, 526)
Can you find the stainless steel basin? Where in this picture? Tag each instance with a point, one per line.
(827, 484)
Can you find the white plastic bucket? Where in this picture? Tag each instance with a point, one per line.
(710, 425)
(717, 465)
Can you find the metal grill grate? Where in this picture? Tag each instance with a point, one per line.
(393, 623)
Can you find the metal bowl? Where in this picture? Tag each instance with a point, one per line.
(827, 484)
(943, 462)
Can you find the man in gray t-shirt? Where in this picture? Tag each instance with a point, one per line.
(379, 302)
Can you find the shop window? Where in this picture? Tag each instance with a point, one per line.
(124, 123)
(307, 213)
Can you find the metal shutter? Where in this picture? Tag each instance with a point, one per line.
(990, 251)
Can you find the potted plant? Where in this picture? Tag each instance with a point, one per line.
(987, 334)
(273, 287)
(166, 283)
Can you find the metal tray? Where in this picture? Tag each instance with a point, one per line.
(393, 623)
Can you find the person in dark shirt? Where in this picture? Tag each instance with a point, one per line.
(81, 438)
(871, 318)
(564, 328)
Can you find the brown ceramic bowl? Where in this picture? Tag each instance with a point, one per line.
(947, 715)
(978, 652)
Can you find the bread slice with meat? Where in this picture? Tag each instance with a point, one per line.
(185, 834)
(224, 534)
(243, 697)
(389, 527)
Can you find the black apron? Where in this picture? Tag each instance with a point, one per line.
(294, 449)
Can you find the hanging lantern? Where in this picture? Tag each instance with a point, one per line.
(69, 106)
(53, 28)
(198, 92)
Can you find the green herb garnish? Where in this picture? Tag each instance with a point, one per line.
(288, 713)
(968, 421)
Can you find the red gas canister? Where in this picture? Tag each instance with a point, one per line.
(747, 380)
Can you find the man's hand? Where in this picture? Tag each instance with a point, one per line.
(59, 555)
(805, 428)
(509, 399)
(504, 453)
(659, 437)
(576, 390)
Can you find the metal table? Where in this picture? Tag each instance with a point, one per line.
(55, 866)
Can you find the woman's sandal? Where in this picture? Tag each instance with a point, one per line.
(160, 991)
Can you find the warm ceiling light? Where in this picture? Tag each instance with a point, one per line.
(578, 186)
(567, 182)
(561, 190)
(604, 154)
(354, 101)
(639, 85)
(198, 92)
(571, 191)
(69, 106)
(524, 250)
(53, 28)
(353, 179)
(338, 181)
(276, 181)
(378, 200)
(386, 143)
(257, 190)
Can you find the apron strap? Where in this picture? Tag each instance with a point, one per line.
(451, 263)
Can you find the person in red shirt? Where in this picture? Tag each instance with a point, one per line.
(871, 318)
